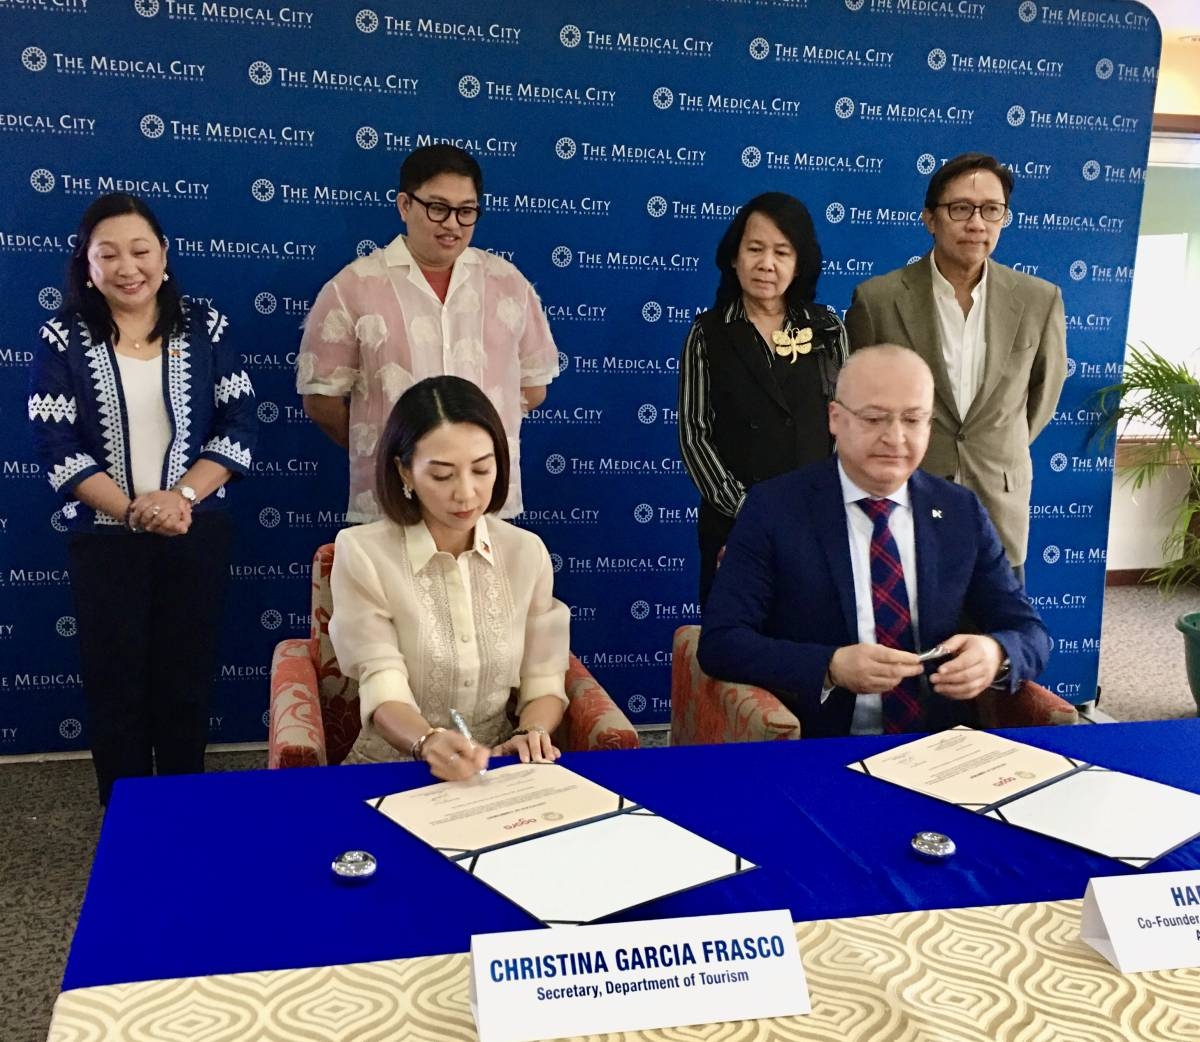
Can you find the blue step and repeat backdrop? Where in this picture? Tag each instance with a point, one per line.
(617, 140)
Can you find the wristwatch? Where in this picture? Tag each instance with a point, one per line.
(1001, 678)
(187, 492)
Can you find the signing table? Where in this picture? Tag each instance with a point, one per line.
(224, 880)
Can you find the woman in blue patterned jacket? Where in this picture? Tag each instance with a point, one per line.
(141, 414)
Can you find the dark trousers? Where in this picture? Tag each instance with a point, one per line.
(713, 530)
(149, 615)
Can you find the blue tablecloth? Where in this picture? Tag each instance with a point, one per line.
(230, 872)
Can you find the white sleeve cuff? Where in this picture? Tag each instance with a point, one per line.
(386, 685)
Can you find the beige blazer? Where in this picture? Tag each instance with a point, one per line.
(988, 449)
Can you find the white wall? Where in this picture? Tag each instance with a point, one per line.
(1161, 316)
(1139, 523)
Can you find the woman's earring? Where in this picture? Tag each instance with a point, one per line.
(89, 284)
(407, 490)
(166, 276)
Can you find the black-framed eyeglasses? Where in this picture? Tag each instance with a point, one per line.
(439, 212)
(964, 211)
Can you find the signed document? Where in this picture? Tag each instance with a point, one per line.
(974, 769)
(565, 849)
(1120, 815)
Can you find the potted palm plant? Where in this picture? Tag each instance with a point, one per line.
(1158, 401)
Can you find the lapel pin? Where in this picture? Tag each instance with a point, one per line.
(937, 514)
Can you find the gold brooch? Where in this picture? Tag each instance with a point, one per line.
(792, 342)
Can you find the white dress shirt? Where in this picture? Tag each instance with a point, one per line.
(377, 327)
(962, 337)
(149, 425)
(416, 625)
(868, 708)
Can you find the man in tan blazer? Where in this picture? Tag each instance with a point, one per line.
(995, 339)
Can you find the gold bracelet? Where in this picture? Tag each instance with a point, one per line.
(418, 747)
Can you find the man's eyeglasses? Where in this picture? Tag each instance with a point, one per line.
(439, 213)
(912, 420)
(964, 211)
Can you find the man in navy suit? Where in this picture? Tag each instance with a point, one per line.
(836, 576)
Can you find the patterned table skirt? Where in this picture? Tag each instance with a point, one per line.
(1012, 973)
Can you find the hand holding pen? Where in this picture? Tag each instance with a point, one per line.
(473, 761)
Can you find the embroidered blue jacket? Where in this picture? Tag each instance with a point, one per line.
(80, 427)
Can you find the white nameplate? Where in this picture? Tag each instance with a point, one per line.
(1141, 923)
(589, 980)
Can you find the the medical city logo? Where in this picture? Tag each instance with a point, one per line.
(269, 517)
(1028, 11)
(262, 190)
(366, 21)
(152, 126)
(634, 41)
(647, 413)
(835, 213)
(42, 180)
(50, 298)
(1104, 68)
(294, 77)
(643, 513)
(365, 247)
(652, 311)
(1078, 270)
(1072, 365)
(636, 704)
(903, 112)
(538, 93)
(366, 138)
(259, 15)
(66, 626)
(1062, 119)
(34, 59)
(271, 619)
(555, 463)
(1051, 554)
(1090, 170)
(640, 610)
(936, 59)
(926, 163)
(1058, 462)
(267, 412)
(71, 728)
(625, 152)
(760, 48)
(602, 259)
(265, 303)
(656, 206)
(728, 104)
(146, 8)
(751, 157)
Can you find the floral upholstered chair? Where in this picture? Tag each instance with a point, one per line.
(314, 709)
(708, 711)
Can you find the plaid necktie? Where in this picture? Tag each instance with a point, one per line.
(893, 623)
